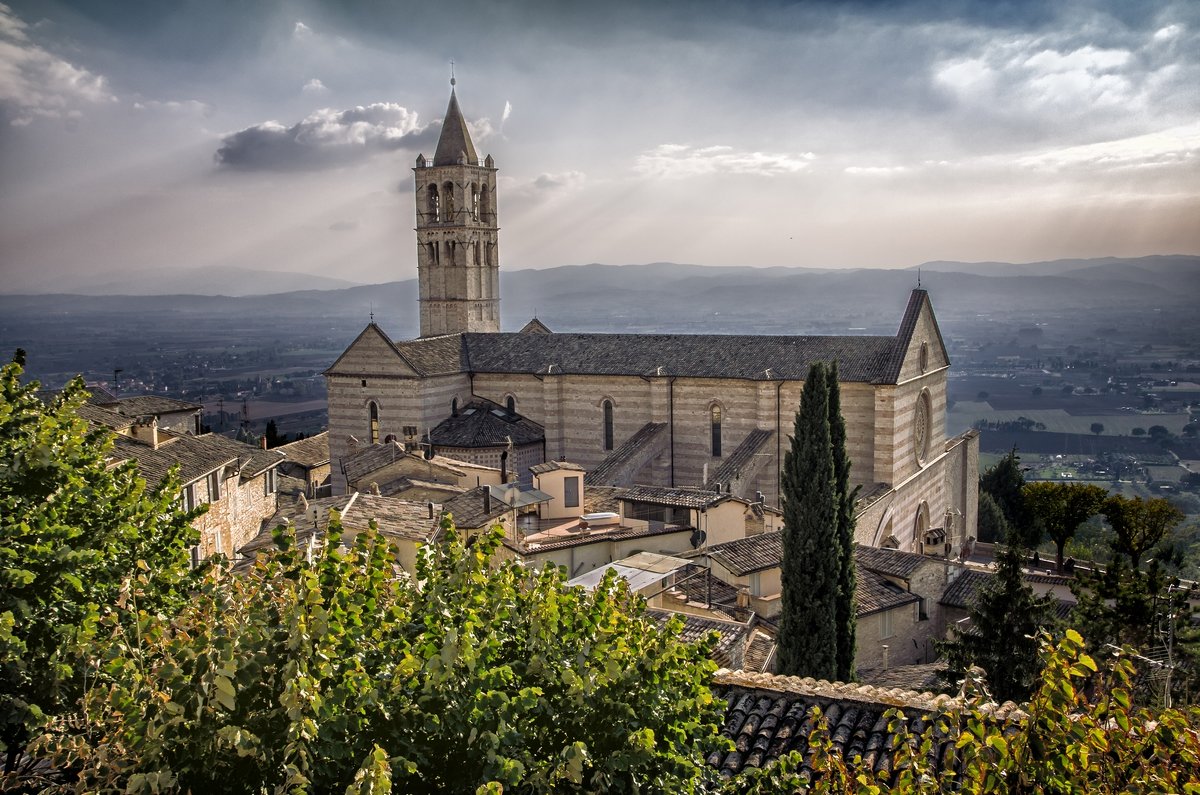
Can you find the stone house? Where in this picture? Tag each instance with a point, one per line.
(236, 481)
(176, 416)
(406, 524)
(671, 410)
(405, 471)
(307, 460)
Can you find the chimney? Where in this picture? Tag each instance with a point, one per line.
(374, 488)
(885, 657)
(504, 467)
(146, 432)
(743, 597)
(487, 500)
(262, 442)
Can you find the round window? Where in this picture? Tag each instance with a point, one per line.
(921, 429)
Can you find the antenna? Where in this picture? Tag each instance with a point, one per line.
(372, 311)
(452, 80)
(918, 278)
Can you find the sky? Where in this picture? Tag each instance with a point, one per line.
(138, 135)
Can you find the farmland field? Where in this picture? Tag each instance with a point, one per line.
(966, 413)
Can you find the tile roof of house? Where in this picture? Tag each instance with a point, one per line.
(601, 499)
(768, 716)
(760, 652)
(372, 458)
(670, 496)
(731, 636)
(310, 452)
(610, 467)
(890, 561)
(922, 677)
(618, 533)
(98, 415)
(482, 423)
(739, 459)
(965, 588)
(195, 455)
(395, 518)
(874, 593)
(554, 466)
(468, 512)
(147, 405)
(747, 555)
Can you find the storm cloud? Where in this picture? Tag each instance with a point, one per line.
(325, 138)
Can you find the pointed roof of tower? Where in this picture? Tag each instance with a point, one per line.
(455, 140)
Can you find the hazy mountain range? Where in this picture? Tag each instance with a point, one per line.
(676, 297)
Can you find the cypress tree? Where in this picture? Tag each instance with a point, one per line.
(808, 624)
(847, 614)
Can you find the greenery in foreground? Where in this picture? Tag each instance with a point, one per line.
(342, 674)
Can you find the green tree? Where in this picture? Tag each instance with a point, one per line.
(1004, 481)
(808, 622)
(847, 613)
(76, 536)
(1006, 618)
(336, 675)
(1060, 508)
(993, 527)
(1139, 524)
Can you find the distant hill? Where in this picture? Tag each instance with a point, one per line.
(231, 281)
(671, 297)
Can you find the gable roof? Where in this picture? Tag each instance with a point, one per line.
(455, 140)
(195, 455)
(747, 555)
(731, 636)
(148, 405)
(482, 423)
(467, 509)
(874, 593)
(867, 359)
(310, 452)
(671, 496)
(768, 716)
(890, 561)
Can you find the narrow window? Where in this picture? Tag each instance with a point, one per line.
(885, 625)
(269, 483)
(448, 201)
(475, 202)
(483, 202)
(374, 431)
(571, 492)
(715, 422)
(435, 204)
(214, 486)
(511, 404)
(454, 407)
(189, 497)
(608, 425)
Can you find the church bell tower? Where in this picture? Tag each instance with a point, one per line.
(458, 262)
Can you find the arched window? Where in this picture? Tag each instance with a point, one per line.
(435, 205)
(608, 424)
(454, 407)
(373, 410)
(475, 202)
(448, 201)
(714, 417)
(484, 209)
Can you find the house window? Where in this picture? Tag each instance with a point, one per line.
(195, 555)
(214, 486)
(756, 584)
(715, 423)
(189, 497)
(608, 425)
(269, 483)
(886, 630)
(571, 492)
(374, 430)
(510, 402)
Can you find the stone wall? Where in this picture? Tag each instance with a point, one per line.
(236, 516)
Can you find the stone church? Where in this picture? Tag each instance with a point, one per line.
(689, 411)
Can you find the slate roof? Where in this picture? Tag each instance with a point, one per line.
(753, 357)
(768, 716)
(760, 652)
(962, 591)
(98, 415)
(617, 459)
(370, 459)
(554, 466)
(455, 140)
(467, 509)
(147, 405)
(889, 561)
(750, 554)
(196, 456)
(396, 519)
(731, 637)
(740, 458)
(482, 423)
(673, 497)
(601, 499)
(874, 593)
(309, 453)
(922, 677)
(618, 534)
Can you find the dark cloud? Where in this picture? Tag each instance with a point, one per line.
(325, 138)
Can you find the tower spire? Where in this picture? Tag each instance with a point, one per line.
(455, 141)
